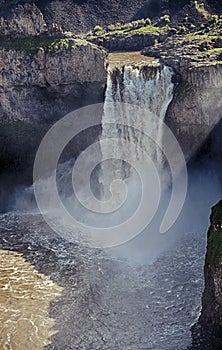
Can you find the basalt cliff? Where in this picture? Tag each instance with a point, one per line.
(44, 75)
(207, 332)
(54, 57)
(49, 68)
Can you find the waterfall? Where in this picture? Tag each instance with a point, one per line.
(135, 105)
(148, 87)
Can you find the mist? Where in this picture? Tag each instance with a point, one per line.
(204, 190)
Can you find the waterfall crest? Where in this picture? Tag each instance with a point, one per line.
(148, 86)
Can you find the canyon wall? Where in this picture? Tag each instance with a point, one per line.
(46, 73)
(43, 73)
(43, 76)
(196, 109)
(44, 86)
(207, 332)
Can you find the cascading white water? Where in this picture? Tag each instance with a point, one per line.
(136, 101)
(150, 88)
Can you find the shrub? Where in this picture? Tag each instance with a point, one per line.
(201, 9)
(148, 21)
(164, 20)
(111, 27)
(98, 30)
(118, 25)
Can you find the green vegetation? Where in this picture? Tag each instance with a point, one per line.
(143, 26)
(201, 9)
(164, 20)
(33, 44)
(199, 36)
(181, 89)
(98, 30)
(153, 29)
(214, 248)
(214, 50)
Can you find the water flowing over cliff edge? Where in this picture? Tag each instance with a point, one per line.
(141, 82)
(150, 288)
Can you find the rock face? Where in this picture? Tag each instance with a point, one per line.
(80, 16)
(207, 333)
(196, 107)
(126, 43)
(47, 85)
(23, 21)
(44, 75)
(39, 85)
(212, 296)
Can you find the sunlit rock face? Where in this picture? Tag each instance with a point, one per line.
(24, 304)
(44, 85)
(196, 107)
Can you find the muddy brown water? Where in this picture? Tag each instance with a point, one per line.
(134, 58)
(106, 304)
(25, 297)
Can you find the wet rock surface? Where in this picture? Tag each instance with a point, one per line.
(108, 303)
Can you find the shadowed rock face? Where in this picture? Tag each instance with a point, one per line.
(212, 297)
(76, 15)
(207, 333)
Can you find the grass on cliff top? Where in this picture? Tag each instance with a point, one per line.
(50, 44)
(143, 26)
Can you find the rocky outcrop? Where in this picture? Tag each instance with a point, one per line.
(196, 107)
(81, 16)
(24, 21)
